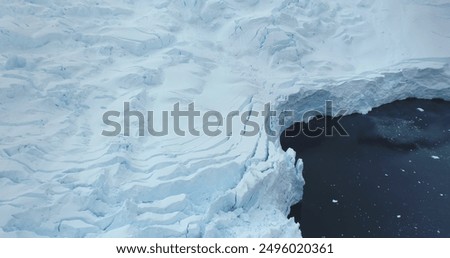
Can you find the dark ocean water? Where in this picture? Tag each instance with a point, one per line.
(389, 178)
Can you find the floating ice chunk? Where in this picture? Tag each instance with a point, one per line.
(420, 109)
(399, 216)
(334, 201)
(435, 157)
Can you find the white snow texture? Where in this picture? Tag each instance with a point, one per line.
(64, 63)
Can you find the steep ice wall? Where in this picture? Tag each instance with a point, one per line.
(65, 63)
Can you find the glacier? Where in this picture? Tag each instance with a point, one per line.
(64, 63)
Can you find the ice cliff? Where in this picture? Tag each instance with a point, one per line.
(64, 63)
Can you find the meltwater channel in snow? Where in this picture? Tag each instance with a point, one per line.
(63, 64)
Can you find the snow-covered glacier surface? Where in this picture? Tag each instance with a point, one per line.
(64, 63)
